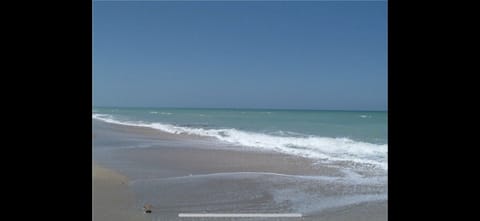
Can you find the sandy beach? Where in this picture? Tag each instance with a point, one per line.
(185, 174)
(112, 199)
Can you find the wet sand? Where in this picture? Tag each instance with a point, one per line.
(112, 198)
(186, 174)
(369, 211)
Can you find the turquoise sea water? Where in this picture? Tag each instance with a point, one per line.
(359, 136)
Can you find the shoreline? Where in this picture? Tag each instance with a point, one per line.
(178, 175)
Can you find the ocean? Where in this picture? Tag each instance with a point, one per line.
(358, 137)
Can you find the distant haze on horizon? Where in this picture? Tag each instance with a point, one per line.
(267, 55)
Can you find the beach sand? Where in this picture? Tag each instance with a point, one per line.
(369, 211)
(112, 199)
(185, 174)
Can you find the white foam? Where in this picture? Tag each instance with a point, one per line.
(326, 148)
(162, 113)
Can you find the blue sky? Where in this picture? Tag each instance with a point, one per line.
(289, 55)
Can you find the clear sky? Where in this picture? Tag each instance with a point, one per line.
(289, 55)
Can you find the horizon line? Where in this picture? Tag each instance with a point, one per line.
(238, 108)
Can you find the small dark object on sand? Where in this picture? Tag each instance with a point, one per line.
(147, 208)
